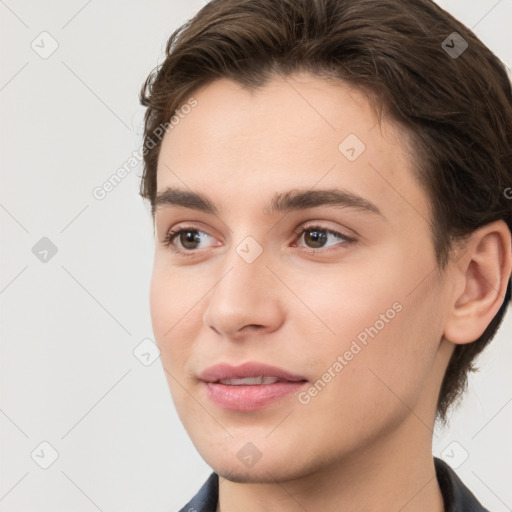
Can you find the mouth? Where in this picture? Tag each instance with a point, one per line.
(249, 386)
(251, 381)
(249, 373)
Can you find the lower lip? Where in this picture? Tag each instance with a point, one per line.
(250, 398)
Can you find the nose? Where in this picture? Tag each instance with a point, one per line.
(245, 299)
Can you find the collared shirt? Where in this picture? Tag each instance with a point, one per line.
(457, 497)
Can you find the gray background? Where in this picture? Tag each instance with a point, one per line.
(70, 324)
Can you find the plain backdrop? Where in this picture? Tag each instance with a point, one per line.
(75, 274)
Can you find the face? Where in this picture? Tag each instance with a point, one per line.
(311, 262)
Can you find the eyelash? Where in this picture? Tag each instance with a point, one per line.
(174, 233)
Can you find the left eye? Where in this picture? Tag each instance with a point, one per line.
(316, 237)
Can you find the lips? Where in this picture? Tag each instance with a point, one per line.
(252, 373)
(249, 386)
(250, 381)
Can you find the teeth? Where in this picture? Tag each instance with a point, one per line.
(249, 381)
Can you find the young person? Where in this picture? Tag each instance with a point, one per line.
(328, 181)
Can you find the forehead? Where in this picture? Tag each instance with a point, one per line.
(295, 131)
(287, 111)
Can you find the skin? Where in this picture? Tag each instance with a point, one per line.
(364, 442)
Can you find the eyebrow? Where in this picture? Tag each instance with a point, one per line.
(280, 203)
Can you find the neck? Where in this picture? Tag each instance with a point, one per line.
(396, 473)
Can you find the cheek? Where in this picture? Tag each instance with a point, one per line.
(172, 299)
(174, 320)
(374, 335)
(174, 294)
(161, 298)
(337, 307)
(393, 368)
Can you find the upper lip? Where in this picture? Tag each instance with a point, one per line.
(224, 371)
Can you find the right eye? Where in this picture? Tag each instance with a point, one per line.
(189, 239)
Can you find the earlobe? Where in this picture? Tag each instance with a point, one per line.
(485, 267)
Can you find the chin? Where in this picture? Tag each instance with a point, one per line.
(252, 476)
(243, 477)
(267, 471)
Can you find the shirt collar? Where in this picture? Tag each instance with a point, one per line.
(457, 497)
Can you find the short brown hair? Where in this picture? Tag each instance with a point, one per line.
(457, 108)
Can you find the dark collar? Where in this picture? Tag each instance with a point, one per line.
(457, 497)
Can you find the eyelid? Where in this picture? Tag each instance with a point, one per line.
(174, 232)
(318, 225)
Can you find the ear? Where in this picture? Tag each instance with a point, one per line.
(482, 273)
